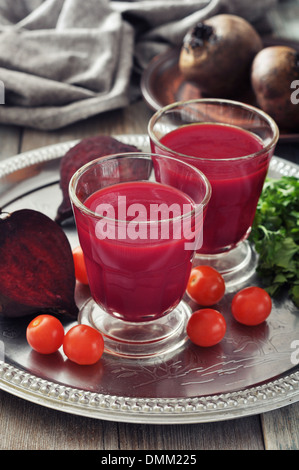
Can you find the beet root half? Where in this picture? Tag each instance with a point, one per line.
(36, 266)
(85, 151)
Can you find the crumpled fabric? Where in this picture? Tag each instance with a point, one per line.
(62, 61)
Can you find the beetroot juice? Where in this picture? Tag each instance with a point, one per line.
(134, 275)
(236, 182)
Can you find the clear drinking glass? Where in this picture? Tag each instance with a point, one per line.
(232, 144)
(139, 219)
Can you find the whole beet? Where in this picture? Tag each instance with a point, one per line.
(274, 69)
(217, 55)
(86, 150)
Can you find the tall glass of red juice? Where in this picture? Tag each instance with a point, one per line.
(232, 144)
(139, 219)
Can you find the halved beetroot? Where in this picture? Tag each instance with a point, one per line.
(85, 151)
(36, 266)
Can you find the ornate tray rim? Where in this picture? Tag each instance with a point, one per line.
(260, 398)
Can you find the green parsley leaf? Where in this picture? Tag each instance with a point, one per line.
(275, 234)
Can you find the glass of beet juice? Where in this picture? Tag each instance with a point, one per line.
(232, 144)
(139, 219)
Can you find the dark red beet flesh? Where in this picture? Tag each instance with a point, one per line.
(36, 266)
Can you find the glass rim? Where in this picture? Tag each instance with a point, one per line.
(270, 121)
(146, 155)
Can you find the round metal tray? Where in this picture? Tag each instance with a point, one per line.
(252, 370)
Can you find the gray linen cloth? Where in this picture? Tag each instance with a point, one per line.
(62, 61)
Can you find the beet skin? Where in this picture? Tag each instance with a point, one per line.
(85, 151)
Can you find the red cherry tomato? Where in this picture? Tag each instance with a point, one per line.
(45, 334)
(251, 306)
(206, 327)
(83, 344)
(80, 267)
(206, 286)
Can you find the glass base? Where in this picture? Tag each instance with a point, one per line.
(236, 266)
(138, 340)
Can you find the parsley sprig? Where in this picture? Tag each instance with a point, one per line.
(275, 234)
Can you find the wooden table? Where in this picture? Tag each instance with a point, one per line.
(28, 426)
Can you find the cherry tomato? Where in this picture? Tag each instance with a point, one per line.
(206, 286)
(251, 306)
(80, 267)
(45, 334)
(83, 344)
(206, 327)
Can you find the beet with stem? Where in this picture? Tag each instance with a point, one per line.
(85, 151)
(36, 269)
(217, 54)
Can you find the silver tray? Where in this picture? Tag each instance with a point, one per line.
(251, 371)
